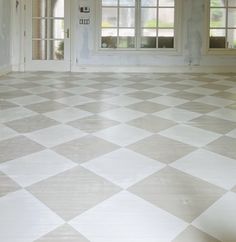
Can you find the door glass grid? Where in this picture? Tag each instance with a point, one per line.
(48, 29)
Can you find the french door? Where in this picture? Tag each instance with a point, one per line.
(47, 35)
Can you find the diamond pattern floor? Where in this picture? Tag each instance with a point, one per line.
(108, 157)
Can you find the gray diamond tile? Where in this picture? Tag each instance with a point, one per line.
(186, 95)
(85, 148)
(178, 193)
(7, 185)
(55, 94)
(17, 147)
(216, 86)
(144, 95)
(152, 123)
(64, 233)
(213, 124)
(224, 146)
(30, 124)
(96, 107)
(198, 107)
(45, 107)
(6, 105)
(162, 149)
(14, 94)
(73, 192)
(147, 107)
(93, 123)
(194, 235)
(100, 95)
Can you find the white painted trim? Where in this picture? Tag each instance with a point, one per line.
(155, 69)
(5, 69)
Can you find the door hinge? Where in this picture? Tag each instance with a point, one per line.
(25, 7)
(24, 60)
(25, 33)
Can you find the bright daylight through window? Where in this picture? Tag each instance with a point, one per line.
(140, 24)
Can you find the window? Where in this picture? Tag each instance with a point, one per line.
(222, 24)
(138, 24)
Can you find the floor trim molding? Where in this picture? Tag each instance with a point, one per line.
(156, 69)
(4, 70)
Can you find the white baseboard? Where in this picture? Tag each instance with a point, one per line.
(156, 69)
(4, 70)
(18, 68)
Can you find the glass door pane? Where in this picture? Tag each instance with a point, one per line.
(48, 30)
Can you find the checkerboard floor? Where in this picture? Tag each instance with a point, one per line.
(108, 157)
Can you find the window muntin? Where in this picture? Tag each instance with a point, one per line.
(222, 34)
(142, 24)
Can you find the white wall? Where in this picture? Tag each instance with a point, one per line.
(5, 36)
(191, 47)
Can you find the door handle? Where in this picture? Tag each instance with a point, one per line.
(67, 33)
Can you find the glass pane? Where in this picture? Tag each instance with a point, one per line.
(148, 42)
(232, 3)
(149, 19)
(56, 8)
(127, 17)
(166, 17)
(56, 50)
(232, 38)
(127, 2)
(217, 32)
(217, 38)
(166, 3)
(109, 42)
(166, 32)
(109, 2)
(166, 42)
(109, 39)
(39, 8)
(109, 17)
(109, 32)
(39, 29)
(149, 32)
(127, 32)
(232, 17)
(126, 38)
(149, 3)
(218, 18)
(39, 50)
(56, 29)
(218, 3)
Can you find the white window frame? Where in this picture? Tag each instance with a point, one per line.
(216, 51)
(177, 50)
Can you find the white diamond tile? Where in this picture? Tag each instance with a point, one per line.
(209, 166)
(24, 218)
(36, 167)
(55, 135)
(122, 114)
(123, 134)
(190, 135)
(123, 167)
(220, 219)
(129, 218)
(177, 115)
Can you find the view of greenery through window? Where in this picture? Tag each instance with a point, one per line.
(137, 24)
(223, 24)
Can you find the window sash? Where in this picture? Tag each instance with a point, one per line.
(166, 41)
(222, 39)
